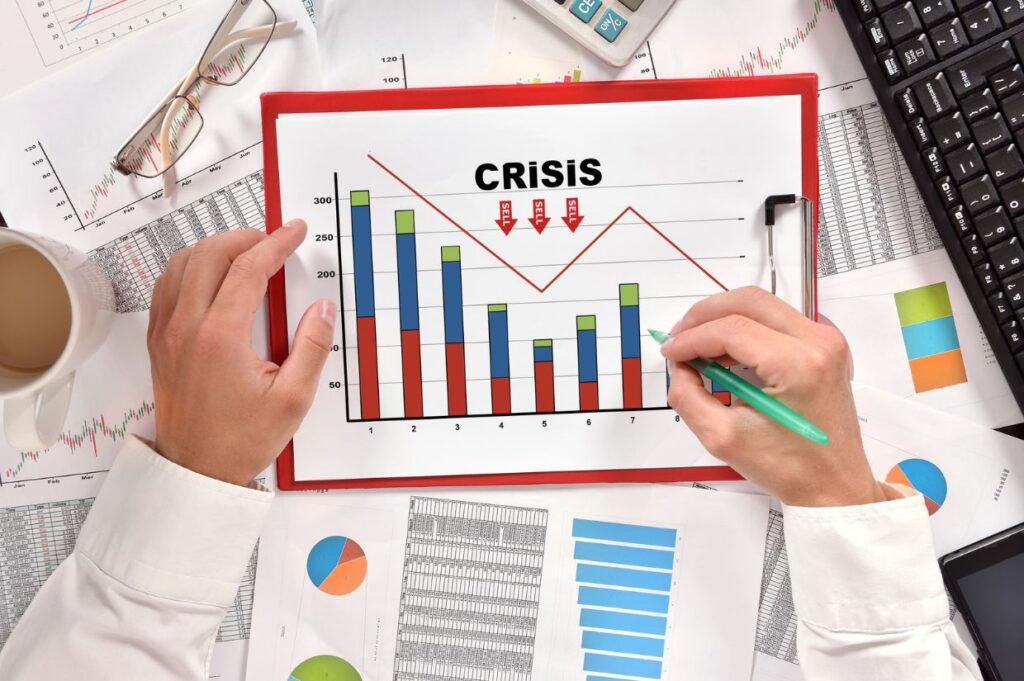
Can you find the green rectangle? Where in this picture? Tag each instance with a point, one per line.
(543, 343)
(629, 295)
(451, 254)
(586, 323)
(497, 308)
(360, 198)
(923, 304)
(405, 222)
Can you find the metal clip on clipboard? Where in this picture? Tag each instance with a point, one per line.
(810, 280)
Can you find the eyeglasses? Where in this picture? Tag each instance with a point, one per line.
(168, 133)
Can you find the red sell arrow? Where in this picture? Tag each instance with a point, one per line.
(540, 219)
(505, 219)
(572, 217)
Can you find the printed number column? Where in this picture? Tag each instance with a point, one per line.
(586, 351)
(409, 313)
(366, 321)
(497, 332)
(454, 340)
(544, 375)
(629, 332)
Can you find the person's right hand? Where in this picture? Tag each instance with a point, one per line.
(804, 364)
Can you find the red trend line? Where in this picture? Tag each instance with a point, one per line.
(545, 287)
(96, 11)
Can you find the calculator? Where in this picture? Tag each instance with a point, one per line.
(612, 29)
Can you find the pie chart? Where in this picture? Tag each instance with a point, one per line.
(925, 477)
(325, 668)
(336, 566)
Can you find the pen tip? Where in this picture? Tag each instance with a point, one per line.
(659, 336)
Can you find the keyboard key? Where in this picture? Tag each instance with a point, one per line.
(993, 226)
(632, 5)
(916, 54)
(922, 133)
(902, 22)
(1014, 335)
(982, 22)
(947, 191)
(975, 249)
(936, 165)
(585, 10)
(961, 221)
(979, 195)
(908, 104)
(991, 132)
(876, 35)
(1001, 308)
(1008, 257)
(882, 5)
(891, 66)
(1012, 11)
(961, 5)
(1007, 81)
(965, 163)
(934, 11)
(987, 278)
(1014, 288)
(950, 132)
(971, 74)
(949, 38)
(977, 105)
(1004, 164)
(1013, 107)
(865, 8)
(935, 96)
(610, 25)
(1013, 196)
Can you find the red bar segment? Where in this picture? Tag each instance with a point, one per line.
(369, 385)
(501, 396)
(412, 374)
(632, 384)
(588, 397)
(544, 380)
(455, 361)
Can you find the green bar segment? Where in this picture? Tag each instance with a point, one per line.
(451, 254)
(543, 343)
(586, 323)
(923, 304)
(629, 295)
(497, 308)
(359, 198)
(405, 222)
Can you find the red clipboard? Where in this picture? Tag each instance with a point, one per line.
(282, 103)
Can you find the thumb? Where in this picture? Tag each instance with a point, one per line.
(312, 345)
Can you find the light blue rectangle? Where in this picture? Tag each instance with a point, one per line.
(930, 338)
(612, 576)
(625, 666)
(585, 10)
(624, 555)
(623, 621)
(610, 25)
(617, 643)
(624, 600)
(630, 534)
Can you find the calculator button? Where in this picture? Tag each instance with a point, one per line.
(936, 165)
(902, 22)
(965, 163)
(585, 10)
(949, 38)
(610, 25)
(936, 97)
(632, 5)
(916, 54)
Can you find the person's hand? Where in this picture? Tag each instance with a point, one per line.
(221, 410)
(806, 365)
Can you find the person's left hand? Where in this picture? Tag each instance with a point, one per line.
(221, 411)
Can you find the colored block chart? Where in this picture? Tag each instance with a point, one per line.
(336, 566)
(325, 668)
(925, 477)
(930, 338)
(624, 577)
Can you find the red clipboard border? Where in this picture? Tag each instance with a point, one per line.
(275, 104)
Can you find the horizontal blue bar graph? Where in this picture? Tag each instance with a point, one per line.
(624, 600)
(930, 338)
(617, 643)
(624, 555)
(630, 534)
(612, 576)
(625, 666)
(623, 621)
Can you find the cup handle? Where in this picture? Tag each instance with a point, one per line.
(34, 422)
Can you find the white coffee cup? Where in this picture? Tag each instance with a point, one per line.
(36, 398)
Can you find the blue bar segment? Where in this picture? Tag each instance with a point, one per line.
(623, 621)
(625, 600)
(451, 284)
(543, 353)
(629, 331)
(497, 330)
(612, 576)
(626, 666)
(624, 555)
(362, 251)
(630, 534)
(930, 338)
(408, 288)
(586, 350)
(617, 643)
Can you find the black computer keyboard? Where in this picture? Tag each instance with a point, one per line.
(949, 77)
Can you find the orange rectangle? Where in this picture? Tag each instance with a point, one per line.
(938, 371)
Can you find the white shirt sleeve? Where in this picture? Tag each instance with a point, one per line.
(158, 561)
(869, 595)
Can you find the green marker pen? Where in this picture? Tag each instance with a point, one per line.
(752, 395)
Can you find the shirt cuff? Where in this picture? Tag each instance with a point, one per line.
(170, 532)
(869, 568)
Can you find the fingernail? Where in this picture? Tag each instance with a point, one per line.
(328, 311)
(297, 223)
